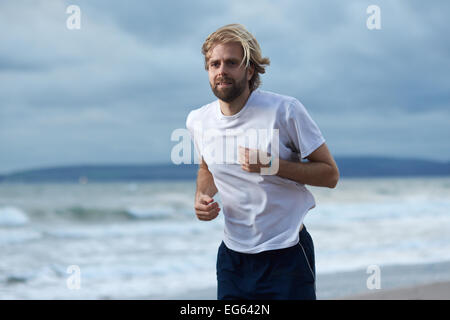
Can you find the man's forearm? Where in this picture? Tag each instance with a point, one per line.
(205, 183)
(318, 174)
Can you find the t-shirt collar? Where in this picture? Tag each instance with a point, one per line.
(220, 115)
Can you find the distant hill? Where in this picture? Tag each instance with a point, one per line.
(381, 167)
(350, 167)
(104, 173)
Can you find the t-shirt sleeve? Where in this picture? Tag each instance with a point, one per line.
(193, 132)
(304, 134)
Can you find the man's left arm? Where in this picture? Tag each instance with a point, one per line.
(321, 169)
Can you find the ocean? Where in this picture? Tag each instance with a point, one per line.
(143, 241)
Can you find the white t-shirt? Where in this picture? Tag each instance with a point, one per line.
(261, 212)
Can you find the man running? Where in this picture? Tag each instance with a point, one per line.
(266, 252)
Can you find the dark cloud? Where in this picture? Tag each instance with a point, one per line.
(115, 89)
(158, 22)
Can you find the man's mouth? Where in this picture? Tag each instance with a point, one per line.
(224, 83)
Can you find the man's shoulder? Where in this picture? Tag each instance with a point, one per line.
(199, 113)
(272, 99)
(275, 96)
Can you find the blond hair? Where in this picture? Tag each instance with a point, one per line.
(252, 51)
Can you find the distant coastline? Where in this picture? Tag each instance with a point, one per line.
(350, 167)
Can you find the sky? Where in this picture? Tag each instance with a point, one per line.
(114, 90)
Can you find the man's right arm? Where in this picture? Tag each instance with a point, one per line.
(205, 207)
(205, 181)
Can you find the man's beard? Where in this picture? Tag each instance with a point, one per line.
(229, 94)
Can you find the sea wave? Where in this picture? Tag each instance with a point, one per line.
(156, 212)
(102, 214)
(117, 230)
(12, 217)
(18, 236)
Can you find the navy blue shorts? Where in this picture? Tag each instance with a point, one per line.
(284, 274)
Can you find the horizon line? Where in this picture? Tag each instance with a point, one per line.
(168, 163)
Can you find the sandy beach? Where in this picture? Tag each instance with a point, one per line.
(400, 282)
(432, 291)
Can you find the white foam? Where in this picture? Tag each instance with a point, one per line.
(129, 229)
(348, 237)
(141, 212)
(12, 217)
(14, 236)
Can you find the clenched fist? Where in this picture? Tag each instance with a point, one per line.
(250, 160)
(205, 208)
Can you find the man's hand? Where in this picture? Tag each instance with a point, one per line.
(246, 154)
(205, 208)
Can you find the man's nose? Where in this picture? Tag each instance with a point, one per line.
(222, 69)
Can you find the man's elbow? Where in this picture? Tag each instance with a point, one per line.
(334, 178)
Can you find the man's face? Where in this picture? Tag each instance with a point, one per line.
(227, 79)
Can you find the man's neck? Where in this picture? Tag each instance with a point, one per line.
(233, 107)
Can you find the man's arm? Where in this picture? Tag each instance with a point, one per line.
(205, 207)
(205, 181)
(320, 171)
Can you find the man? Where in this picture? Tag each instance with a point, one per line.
(266, 252)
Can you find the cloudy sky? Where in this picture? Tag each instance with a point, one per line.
(114, 90)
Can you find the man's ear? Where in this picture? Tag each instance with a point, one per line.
(250, 71)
